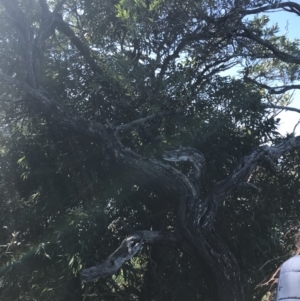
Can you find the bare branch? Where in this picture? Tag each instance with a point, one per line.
(61, 116)
(273, 280)
(187, 154)
(157, 237)
(295, 127)
(249, 185)
(84, 50)
(240, 175)
(282, 89)
(44, 6)
(127, 126)
(279, 54)
(59, 6)
(291, 6)
(271, 106)
(247, 165)
(173, 56)
(129, 247)
(26, 37)
(272, 90)
(32, 47)
(211, 69)
(26, 88)
(46, 28)
(194, 37)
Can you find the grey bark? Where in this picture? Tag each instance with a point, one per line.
(194, 234)
(129, 247)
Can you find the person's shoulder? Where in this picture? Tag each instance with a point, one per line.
(291, 265)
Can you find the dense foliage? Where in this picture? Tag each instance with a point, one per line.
(115, 61)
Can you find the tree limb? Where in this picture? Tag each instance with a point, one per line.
(273, 279)
(195, 240)
(292, 6)
(272, 90)
(129, 247)
(279, 54)
(84, 50)
(63, 118)
(240, 175)
(33, 47)
(127, 126)
(87, 54)
(271, 106)
(59, 6)
(189, 154)
(26, 36)
(44, 6)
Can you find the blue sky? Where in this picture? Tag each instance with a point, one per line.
(291, 23)
(288, 23)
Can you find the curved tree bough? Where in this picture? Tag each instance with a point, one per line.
(194, 234)
(189, 155)
(129, 247)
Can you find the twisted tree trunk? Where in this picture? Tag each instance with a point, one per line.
(194, 234)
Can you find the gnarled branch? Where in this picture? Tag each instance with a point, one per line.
(241, 174)
(129, 247)
(189, 154)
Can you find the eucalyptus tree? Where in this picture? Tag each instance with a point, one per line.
(99, 99)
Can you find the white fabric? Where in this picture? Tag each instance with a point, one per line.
(289, 280)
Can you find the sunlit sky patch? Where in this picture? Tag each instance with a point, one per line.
(288, 23)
